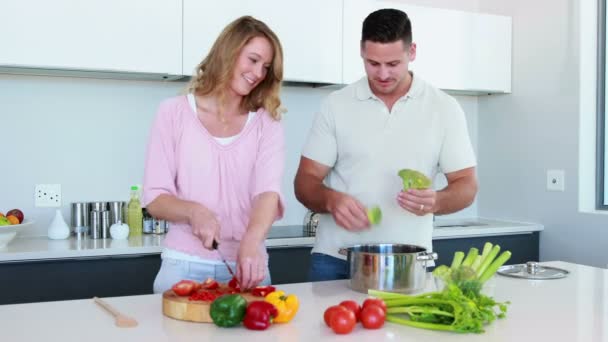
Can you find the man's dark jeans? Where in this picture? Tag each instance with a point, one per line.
(326, 267)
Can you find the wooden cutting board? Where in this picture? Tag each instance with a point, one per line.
(181, 308)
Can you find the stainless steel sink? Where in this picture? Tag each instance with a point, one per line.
(465, 224)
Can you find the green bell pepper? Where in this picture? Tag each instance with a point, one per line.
(413, 179)
(228, 310)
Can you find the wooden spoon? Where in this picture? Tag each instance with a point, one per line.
(120, 320)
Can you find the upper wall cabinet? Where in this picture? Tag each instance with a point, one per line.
(100, 35)
(310, 33)
(457, 51)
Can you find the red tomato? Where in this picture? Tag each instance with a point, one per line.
(210, 284)
(233, 284)
(184, 287)
(372, 316)
(342, 321)
(330, 311)
(375, 301)
(352, 306)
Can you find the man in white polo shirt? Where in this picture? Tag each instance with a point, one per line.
(368, 131)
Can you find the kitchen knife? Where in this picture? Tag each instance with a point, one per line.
(215, 246)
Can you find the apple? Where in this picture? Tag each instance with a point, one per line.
(17, 213)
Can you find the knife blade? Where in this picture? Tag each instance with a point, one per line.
(215, 246)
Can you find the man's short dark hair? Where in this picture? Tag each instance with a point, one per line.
(387, 26)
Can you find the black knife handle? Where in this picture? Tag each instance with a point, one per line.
(214, 244)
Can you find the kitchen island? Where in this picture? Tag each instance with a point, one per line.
(574, 308)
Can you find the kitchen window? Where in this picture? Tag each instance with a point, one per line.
(602, 122)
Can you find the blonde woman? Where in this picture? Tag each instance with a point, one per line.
(215, 161)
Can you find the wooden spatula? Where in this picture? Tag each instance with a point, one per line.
(120, 320)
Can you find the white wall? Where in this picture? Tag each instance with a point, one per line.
(89, 136)
(461, 5)
(536, 128)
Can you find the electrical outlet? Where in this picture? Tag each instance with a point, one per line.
(556, 180)
(47, 195)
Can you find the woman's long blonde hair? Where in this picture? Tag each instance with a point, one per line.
(214, 74)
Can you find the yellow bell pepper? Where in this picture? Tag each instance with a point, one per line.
(287, 305)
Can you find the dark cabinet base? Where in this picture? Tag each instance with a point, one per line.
(289, 265)
(41, 281)
(523, 247)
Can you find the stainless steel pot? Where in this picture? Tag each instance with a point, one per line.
(387, 267)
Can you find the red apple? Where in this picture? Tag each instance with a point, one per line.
(17, 213)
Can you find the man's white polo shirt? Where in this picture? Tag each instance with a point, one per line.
(366, 145)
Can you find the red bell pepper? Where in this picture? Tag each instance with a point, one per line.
(234, 284)
(262, 291)
(259, 315)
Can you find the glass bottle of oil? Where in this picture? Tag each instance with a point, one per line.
(134, 213)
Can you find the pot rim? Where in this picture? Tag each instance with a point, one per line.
(346, 250)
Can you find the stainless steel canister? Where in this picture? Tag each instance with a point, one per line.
(105, 224)
(159, 226)
(99, 206)
(95, 224)
(79, 219)
(116, 209)
(387, 267)
(148, 222)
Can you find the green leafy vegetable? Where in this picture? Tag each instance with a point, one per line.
(413, 179)
(460, 306)
(374, 214)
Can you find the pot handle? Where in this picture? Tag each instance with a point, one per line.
(424, 256)
(343, 251)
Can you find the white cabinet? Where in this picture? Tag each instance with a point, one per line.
(459, 51)
(310, 33)
(106, 35)
(492, 58)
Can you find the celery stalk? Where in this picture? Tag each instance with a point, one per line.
(476, 263)
(414, 301)
(488, 260)
(430, 310)
(385, 295)
(489, 272)
(458, 257)
(468, 261)
(487, 247)
(432, 326)
(441, 271)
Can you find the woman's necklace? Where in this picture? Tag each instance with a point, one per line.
(213, 111)
(221, 118)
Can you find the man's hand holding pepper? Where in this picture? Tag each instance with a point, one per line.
(347, 211)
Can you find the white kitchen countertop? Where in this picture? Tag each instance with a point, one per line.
(41, 248)
(464, 228)
(569, 309)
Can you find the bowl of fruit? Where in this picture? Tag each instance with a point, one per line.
(10, 224)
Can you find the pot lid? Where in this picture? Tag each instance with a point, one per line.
(532, 270)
